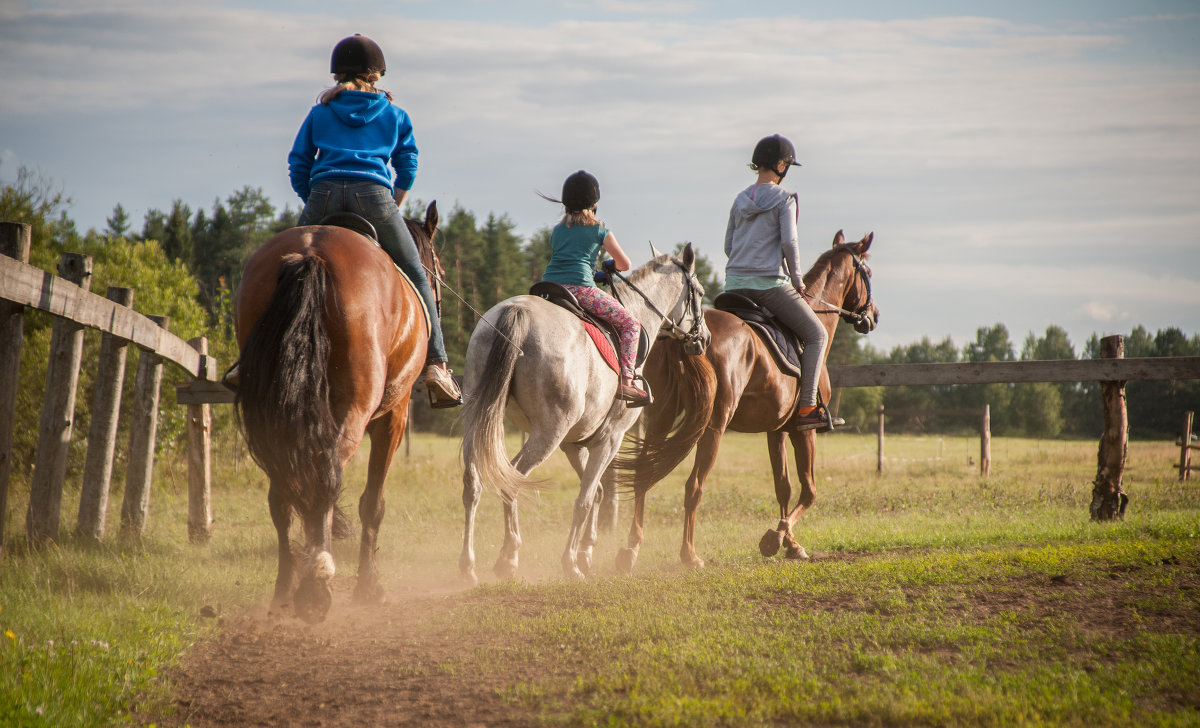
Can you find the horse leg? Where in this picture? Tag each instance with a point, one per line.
(314, 594)
(537, 448)
(805, 445)
(472, 489)
(385, 434)
(577, 557)
(627, 556)
(285, 579)
(693, 491)
(773, 539)
(609, 506)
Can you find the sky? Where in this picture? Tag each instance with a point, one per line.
(1028, 163)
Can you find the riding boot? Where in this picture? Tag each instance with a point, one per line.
(443, 390)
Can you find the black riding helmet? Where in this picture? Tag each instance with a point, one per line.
(580, 192)
(772, 150)
(357, 54)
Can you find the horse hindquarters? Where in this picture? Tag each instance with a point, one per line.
(283, 404)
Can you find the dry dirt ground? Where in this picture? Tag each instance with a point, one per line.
(362, 666)
(369, 666)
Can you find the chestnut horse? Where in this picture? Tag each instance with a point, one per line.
(332, 339)
(736, 385)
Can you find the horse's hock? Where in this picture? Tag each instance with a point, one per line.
(76, 309)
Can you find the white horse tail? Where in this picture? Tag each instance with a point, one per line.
(483, 411)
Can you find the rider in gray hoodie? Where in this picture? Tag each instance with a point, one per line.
(763, 265)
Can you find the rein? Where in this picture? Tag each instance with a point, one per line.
(686, 336)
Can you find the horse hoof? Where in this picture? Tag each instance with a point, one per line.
(770, 543)
(626, 558)
(469, 578)
(505, 568)
(312, 600)
(796, 552)
(368, 593)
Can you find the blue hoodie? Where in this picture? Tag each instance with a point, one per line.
(354, 136)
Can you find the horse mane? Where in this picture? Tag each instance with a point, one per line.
(819, 270)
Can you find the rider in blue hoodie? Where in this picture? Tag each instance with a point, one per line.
(764, 265)
(340, 163)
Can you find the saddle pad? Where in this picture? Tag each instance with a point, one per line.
(603, 345)
(783, 346)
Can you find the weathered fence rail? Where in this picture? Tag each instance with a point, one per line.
(76, 308)
(1112, 371)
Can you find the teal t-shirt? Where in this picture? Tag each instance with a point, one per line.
(573, 254)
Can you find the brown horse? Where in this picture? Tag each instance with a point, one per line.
(332, 339)
(736, 385)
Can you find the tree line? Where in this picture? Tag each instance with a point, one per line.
(186, 263)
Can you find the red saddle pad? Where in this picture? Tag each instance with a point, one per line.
(603, 345)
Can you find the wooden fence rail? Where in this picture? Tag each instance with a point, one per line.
(68, 298)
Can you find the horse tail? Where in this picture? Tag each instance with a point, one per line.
(684, 391)
(282, 398)
(483, 410)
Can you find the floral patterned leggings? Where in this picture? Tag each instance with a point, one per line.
(603, 306)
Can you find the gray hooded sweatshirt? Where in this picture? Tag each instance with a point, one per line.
(760, 238)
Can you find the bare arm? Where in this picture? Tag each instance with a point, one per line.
(618, 255)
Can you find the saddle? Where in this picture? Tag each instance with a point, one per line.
(351, 221)
(606, 338)
(782, 343)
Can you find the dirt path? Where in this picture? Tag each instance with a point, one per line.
(363, 666)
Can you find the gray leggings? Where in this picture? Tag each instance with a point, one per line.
(790, 308)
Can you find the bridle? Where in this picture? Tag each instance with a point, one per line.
(693, 339)
(860, 315)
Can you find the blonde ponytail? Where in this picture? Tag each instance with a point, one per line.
(353, 82)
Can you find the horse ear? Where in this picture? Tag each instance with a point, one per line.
(689, 257)
(653, 252)
(865, 244)
(431, 218)
(839, 239)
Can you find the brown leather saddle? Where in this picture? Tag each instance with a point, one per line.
(782, 343)
(559, 296)
(351, 221)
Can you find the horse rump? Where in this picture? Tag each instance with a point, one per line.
(282, 399)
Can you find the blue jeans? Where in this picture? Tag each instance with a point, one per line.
(374, 202)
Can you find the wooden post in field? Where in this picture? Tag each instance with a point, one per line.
(1108, 498)
(58, 412)
(199, 423)
(15, 239)
(142, 431)
(985, 442)
(879, 446)
(1185, 448)
(102, 435)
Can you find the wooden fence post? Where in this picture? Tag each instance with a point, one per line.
(15, 242)
(58, 412)
(985, 442)
(102, 435)
(1186, 447)
(199, 463)
(879, 446)
(1108, 498)
(142, 432)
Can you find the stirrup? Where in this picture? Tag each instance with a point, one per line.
(635, 403)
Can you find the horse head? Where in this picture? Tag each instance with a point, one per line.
(686, 317)
(858, 306)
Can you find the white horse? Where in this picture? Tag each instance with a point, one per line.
(532, 360)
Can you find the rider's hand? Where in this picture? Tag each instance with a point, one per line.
(601, 277)
(609, 266)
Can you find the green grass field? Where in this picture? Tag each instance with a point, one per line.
(934, 597)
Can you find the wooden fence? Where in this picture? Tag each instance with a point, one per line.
(75, 308)
(1112, 371)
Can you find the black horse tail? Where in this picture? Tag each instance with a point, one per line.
(483, 411)
(684, 389)
(283, 393)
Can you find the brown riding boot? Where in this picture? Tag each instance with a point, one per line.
(443, 391)
(630, 392)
